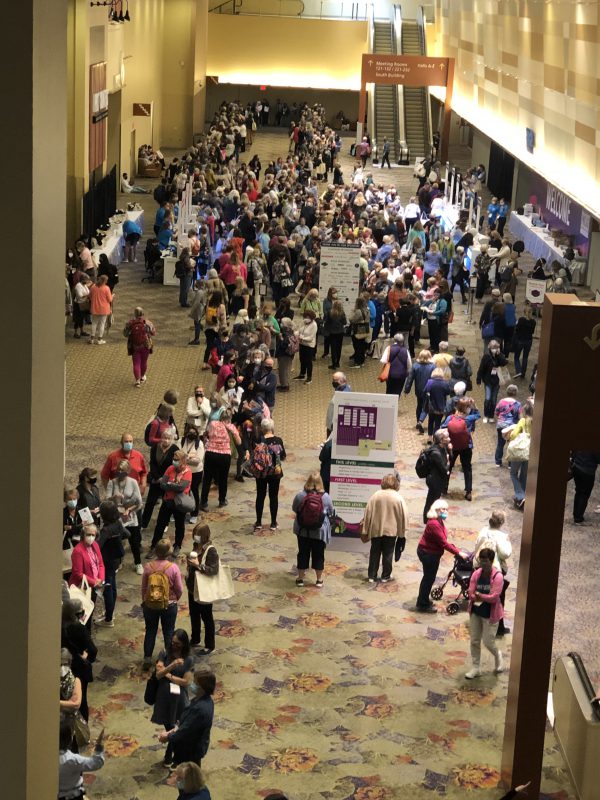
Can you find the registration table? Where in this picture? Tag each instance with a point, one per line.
(537, 241)
(113, 244)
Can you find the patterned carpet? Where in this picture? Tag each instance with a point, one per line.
(335, 693)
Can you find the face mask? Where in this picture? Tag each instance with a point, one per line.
(307, 320)
(194, 687)
(127, 446)
(443, 514)
(179, 785)
(335, 384)
(257, 361)
(89, 540)
(175, 463)
(72, 503)
(191, 436)
(214, 405)
(121, 474)
(197, 540)
(199, 396)
(64, 671)
(268, 369)
(495, 351)
(93, 480)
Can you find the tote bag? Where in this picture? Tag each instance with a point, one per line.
(210, 588)
(503, 375)
(518, 448)
(83, 593)
(184, 502)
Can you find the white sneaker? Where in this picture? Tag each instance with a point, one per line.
(484, 420)
(499, 664)
(139, 569)
(193, 520)
(473, 673)
(101, 341)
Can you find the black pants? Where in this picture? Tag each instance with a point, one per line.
(326, 344)
(270, 483)
(202, 613)
(385, 157)
(335, 345)
(165, 512)
(584, 484)
(216, 468)
(395, 385)
(435, 487)
(435, 334)
(433, 422)
(430, 563)
(152, 498)
(382, 549)
(500, 223)
(466, 457)
(195, 490)
(482, 283)
(135, 543)
(360, 349)
(458, 280)
(306, 361)
(310, 551)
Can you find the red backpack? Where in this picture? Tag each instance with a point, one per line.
(458, 432)
(311, 511)
(138, 333)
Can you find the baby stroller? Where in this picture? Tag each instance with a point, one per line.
(460, 574)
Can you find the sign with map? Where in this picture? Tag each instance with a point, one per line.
(363, 451)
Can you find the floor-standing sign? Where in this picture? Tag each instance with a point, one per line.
(363, 451)
(340, 267)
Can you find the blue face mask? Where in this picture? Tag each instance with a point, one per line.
(443, 514)
(72, 503)
(175, 463)
(127, 446)
(193, 687)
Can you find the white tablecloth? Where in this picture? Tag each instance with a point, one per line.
(113, 245)
(537, 241)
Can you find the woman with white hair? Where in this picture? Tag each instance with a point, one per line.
(432, 545)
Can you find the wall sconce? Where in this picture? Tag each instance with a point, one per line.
(114, 15)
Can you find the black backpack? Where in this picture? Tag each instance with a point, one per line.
(423, 465)
(179, 269)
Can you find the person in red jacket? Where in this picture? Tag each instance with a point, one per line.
(177, 479)
(430, 550)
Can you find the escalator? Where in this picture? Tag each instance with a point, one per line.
(386, 97)
(416, 125)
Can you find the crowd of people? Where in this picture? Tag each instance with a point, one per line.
(249, 275)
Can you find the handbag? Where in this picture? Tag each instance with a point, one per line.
(183, 501)
(84, 594)
(66, 555)
(385, 372)
(210, 588)
(151, 689)
(81, 730)
(503, 375)
(518, 448)
(488, 330)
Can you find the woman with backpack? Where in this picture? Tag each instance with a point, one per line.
(265, 464)
(215, 319)
(285, 350)
(419, 375)
(314, 511)
(460, 426)
(139, 332)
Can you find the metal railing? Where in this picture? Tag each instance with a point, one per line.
(310, 9)
(421, 22)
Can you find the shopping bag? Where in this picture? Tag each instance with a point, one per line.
(83, 593)
(211, 588)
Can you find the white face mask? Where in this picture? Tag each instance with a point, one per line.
(89, 540)
(64, 671)
(307, 320)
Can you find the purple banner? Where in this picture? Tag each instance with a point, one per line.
(556, 209)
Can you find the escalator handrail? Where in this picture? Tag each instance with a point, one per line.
(587, 684)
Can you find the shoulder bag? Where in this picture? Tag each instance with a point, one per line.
(83, 593)
(211, 588)
(385, 372)
(183, 501)
(518, 448)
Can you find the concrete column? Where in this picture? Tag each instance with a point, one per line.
(33, 60)
(200, 52)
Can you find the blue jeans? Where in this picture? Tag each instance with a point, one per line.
(524, 348)
(110, 593)
(167, 618)
(491, 398)
(499, 448)
(518, 476)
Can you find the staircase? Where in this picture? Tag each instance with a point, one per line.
(415, 98)
(386, 97)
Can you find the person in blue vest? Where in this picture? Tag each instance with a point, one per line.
(132, 233)
(503, 211)
(492, 212)
(400, 363)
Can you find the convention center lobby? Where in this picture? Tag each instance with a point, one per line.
(301, 465)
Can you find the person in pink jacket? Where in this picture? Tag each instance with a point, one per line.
(100, 307)
(485, 611)
(86, 560)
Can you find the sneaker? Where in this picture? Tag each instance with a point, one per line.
(319, 584)
(239, 478)
(257, 527)
(147, 662)
(426, 609)
(92, 340)
(420, 428)
(356, 366)
(499, 663)
(300, 378)
(299, 581)
(468, 496)
(484, 420)
(371, 580)
(137, 384)
(223, 504)
(101, 341)
(105, 623)
(204, 507)
(273, 526)
(143, 379)
(307, 383)
(205, 651)
(387, 580)
(150, 554)
(194, 342)
(473, 673)
(193, 520)
(517, 375)
(498, 465)
(176, 551)
(139, 569)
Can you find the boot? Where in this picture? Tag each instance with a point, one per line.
(499, 663)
